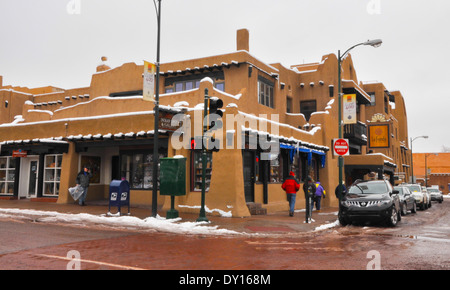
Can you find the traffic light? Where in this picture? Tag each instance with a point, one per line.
(196, 143)
(215, 114)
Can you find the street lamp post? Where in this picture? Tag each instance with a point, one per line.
(426, 167)
(412, 165)
(156, 109)
(374, 43)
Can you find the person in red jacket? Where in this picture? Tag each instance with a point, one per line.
(291, 186)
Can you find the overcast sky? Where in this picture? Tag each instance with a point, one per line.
(51, 42)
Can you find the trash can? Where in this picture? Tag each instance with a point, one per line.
(119, 195)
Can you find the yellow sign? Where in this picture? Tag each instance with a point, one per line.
(378, 136)
(149, 81)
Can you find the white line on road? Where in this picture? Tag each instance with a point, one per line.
(92, 262)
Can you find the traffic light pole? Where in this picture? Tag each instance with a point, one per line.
(202, 216)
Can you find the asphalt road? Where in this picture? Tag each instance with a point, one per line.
(420, 241)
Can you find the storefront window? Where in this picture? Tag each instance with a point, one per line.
(296, 166)
(137, 169)
(7, 175)
(52, 175)
(276, 168)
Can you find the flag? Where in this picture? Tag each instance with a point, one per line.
(149, 81)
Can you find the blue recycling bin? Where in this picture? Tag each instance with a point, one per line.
(119, 195)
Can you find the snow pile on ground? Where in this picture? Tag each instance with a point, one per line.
(221, 212)
(327, 226)
(128, 222)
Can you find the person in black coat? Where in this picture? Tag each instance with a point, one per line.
(310, 189)
(83, 179)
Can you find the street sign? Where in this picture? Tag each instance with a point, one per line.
(341, 147)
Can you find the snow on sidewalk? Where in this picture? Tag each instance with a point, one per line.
(150, 223)
(161, 224)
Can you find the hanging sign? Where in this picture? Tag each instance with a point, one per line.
(349, 109)
(149, 81)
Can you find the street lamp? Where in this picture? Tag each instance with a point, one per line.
(426, 167)
(156, 109)
(412, 165)
(373, 43)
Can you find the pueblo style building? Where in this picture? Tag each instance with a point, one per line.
(48, 134)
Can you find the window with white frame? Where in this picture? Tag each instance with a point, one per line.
(265, 92)
(7, 175)
(52, 174)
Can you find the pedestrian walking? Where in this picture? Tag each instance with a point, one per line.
(309, 188)
(317, 198)
(83, 179)
(291, 186)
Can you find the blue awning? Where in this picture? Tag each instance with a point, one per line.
(295, 150)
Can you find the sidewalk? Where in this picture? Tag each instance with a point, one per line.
(279, 223)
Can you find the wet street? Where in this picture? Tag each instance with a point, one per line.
(420, 241)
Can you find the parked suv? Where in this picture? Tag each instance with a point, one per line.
(436, 194)
(419, 196)
(370, 200)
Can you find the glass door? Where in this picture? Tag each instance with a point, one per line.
(32, 178)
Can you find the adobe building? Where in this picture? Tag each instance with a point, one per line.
(48, 134)
(438, 174)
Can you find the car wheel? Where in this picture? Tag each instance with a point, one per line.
(342, 220)
(393, 219)
(414, 209)
(405, 209)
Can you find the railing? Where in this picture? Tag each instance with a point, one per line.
(356, 133)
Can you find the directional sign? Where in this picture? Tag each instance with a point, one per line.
(341, 147)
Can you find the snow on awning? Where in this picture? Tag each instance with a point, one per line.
(349, 86)
(50, 145)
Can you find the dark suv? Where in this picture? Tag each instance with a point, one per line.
(370, 200)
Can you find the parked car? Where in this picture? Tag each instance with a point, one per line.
(407, 201)
(436, 194)
(370, 200)
(419, 196)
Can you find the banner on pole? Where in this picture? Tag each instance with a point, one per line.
(149, 81)
(349, 109)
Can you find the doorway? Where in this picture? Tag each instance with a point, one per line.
(249, 175)
(29, 177)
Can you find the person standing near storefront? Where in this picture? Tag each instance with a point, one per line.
(291, 186)
(310, 189)
(83, 179)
